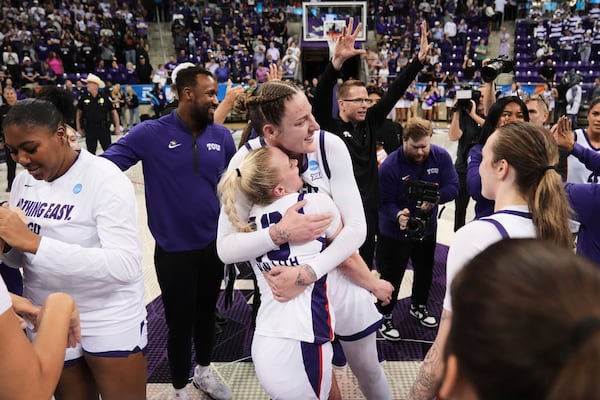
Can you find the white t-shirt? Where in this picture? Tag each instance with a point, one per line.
(478, 235)
(89, 249)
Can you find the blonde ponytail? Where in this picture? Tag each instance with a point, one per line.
(550, 210)
(228, 189)
(533, 153)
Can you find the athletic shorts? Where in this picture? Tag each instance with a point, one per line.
(289, 369)
(355, 313)
(119, 345)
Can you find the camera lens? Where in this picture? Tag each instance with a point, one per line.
(491, 71)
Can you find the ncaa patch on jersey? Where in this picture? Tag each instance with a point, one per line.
(313, 165)
(77, 188)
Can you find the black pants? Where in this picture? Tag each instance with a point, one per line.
(394, 255)
(367, 250)
(11, 168)
(95, 134)
(461, 202)
(190, 283)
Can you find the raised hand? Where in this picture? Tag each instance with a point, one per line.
(563, 133)
(425, 45)
(344, 45)
(275, 72)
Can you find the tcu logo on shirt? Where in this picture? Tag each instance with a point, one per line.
(213, 146)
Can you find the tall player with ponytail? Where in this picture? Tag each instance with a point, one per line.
(518, 172)
(281, 114)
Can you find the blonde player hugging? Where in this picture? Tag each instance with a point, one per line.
(291, 348)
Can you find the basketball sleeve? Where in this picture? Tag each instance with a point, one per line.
(346, 197)
(320, 203)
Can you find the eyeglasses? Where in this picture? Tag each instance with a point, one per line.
(359, 101)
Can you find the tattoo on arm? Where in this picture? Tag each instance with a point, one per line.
(426, 385)
(311, 276)
(281, 236)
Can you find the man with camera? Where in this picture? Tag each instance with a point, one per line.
(465, 125)
(414, 179)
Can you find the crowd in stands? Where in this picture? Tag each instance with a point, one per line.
(58, 45)
(565, 41)
(238, 44)
(47, 43)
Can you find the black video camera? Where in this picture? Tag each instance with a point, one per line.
(464, 97)
(571, 78)
(496, 66)
(420, 191)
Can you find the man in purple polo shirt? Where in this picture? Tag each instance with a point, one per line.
(183, 155)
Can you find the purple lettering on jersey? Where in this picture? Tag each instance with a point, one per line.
(32, 208)
(49, 212)
(67, 209)
(293, 261)
(40, 209)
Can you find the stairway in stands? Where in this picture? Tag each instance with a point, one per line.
(161, 42)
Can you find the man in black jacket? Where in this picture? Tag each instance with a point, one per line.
(357, 124)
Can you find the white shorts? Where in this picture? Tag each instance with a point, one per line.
(355, 313)
(403, 103)
(288, 369)
(119, 345)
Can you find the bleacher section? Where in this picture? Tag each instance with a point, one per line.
(527, 66)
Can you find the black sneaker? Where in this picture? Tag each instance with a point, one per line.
(420, 312)
(388, 330)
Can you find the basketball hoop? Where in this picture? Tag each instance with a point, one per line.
(332, 29)
(332, 39)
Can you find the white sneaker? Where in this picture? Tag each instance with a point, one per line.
(420, 312)
(388, 330)
(211, 384)
(180, 394)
